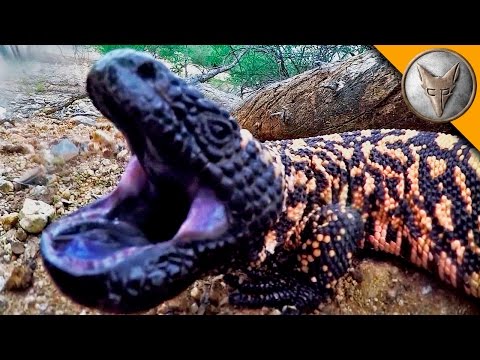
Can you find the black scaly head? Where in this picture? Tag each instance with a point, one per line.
(197, 195)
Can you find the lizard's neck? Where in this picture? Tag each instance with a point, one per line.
(316, 170)
(313, 177)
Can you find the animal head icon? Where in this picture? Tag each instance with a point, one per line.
(438, 88)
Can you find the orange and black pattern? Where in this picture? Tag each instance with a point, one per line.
(409, 193)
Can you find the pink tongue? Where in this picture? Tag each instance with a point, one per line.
(206, 219)
(133, 179)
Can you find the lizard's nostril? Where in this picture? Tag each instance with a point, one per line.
(147, 70)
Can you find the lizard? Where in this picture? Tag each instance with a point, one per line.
(282, 220)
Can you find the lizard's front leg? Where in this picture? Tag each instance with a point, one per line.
(329, 239)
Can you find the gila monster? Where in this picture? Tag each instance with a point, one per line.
(201, 196)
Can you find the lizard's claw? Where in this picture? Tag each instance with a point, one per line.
(274, 290)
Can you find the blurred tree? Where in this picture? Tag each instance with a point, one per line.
(250, 66)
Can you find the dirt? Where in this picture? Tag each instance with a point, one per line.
(376, 286)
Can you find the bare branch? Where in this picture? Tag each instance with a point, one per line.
(218, 70)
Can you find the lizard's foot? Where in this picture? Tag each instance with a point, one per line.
(325, 255)
(267, 288)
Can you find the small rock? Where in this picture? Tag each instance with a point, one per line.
(48, 110)
(20, 279)
(35, 215)
(38, 190)
(426, 290)
(194, 308)
(275, 312)
(8, 125)
(10, 235)
(31, 249)
(9, 220)
(66, 194)
(6, 186)
(195, 293)
(18, 248)
(41, 307)
(65, 149)
(400, 302)
(21, 235)
(122, 154)
(85, 120)
(41, 193)
(201, 309)
(35, 176)
(392, 294)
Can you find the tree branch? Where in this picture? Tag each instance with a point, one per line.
(215, 71)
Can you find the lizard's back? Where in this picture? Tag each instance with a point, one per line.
(418, 194)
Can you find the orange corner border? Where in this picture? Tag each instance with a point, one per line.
(401, 55)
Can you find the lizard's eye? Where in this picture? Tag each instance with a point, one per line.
(219, 130)
(216, 136)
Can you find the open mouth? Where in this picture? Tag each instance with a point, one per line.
(135, 217)
(161, 205)
(149, 238)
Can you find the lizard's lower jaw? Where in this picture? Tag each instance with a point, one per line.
(136, 247)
